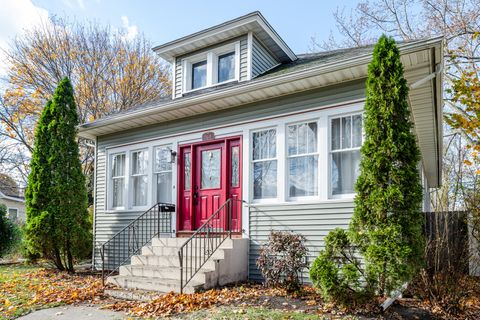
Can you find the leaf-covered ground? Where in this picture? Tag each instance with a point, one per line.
(27, 288)
(24, 289)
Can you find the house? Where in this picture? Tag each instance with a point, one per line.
(254, 138)
(15, 206)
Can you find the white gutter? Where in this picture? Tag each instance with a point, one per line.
(250, 86)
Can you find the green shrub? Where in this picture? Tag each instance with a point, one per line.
(337, 271)
(10, 233)
(386, 227)
(282, 260)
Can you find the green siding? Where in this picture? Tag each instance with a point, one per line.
(262, 60)
(312, 219)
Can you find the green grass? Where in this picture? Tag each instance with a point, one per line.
(15, 290)
(224, 313)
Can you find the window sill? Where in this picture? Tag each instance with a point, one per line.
(299, 202)
(211, 86)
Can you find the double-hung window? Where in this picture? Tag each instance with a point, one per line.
(199, 75)
(346, 140)
(139, 177)
(302, 146)
(163, 173)
(264, 163)
(226, 67)
(118, 180)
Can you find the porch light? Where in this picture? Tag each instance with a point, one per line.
(171, 156)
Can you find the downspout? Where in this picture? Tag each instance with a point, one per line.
(438, 70)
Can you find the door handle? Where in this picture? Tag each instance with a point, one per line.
(195, 198)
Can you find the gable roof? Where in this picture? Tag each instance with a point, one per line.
(252, 22)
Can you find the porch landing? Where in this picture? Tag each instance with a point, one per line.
(158, 267)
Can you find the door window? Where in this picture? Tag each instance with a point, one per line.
(211, 166)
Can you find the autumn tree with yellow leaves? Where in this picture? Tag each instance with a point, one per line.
(108, 73)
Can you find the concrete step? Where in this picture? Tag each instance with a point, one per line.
(178, 242)
(153, 284)
(173, 251)
(162, 272)
(167, 261)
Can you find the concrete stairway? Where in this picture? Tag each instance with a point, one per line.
(158, 267)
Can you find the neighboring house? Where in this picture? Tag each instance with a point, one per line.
(15, 206)
(250, 120)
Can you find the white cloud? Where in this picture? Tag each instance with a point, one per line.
(16, 17)
(131, 31)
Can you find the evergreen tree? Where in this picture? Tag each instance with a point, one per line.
(387, 220)
(56, 196)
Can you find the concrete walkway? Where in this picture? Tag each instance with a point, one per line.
(74, 313)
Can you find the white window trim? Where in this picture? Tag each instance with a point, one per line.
(148, 174)
(110, 180)
(212, 66)
(280, 179)
(245, 128)
(330, 152)
(155, 172)
(287, 173)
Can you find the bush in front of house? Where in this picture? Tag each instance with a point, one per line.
(386, 227)
(282, 260)
(10, 233)
(58, 226)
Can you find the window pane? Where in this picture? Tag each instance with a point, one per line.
(164, 187)
(302, 138)
(186, 170)
(336, 134)
(235, 166)
(303, 176)
(162, 155)
(264, 144)
(357, 130)
(265, 179)
(140, 191)
(118, 165)
(199, 74)
(139, 162)
(226, 67)
(211, 166)
(346, 132)
(13, 213)
(312, 137)
(118, 188)
(292, 140)
(345, 170)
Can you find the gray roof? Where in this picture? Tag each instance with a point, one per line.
(304, 61)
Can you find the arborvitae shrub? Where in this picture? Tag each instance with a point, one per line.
(386, 225)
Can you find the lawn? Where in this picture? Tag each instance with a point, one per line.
(24, 288)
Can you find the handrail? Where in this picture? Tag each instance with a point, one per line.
(129, 240)
(203, 243)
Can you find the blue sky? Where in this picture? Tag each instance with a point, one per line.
(162, 21)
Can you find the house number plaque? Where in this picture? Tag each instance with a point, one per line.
(207, 136)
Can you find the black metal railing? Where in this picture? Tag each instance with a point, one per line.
(203, 243)
(129, 241)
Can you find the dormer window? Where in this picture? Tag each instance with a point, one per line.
(199, 74)
(208, 68)
(226, 67)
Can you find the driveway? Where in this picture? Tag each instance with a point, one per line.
(74, 313)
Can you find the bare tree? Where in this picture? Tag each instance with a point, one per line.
(109, 74)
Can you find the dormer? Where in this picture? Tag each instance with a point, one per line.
(232, 52)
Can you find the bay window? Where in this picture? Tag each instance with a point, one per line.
(139, 177)
(302, 160)
(118, 180)
(264, 163)
(346, 140)
(163, 174)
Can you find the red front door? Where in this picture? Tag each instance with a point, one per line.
(209, 174)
